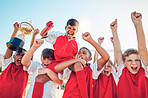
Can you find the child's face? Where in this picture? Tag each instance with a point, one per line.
(18, 57)
(132, 62)
(46, 61)
(71, 31)
(84, 54)
(107, 69)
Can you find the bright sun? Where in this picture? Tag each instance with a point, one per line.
(84, 24)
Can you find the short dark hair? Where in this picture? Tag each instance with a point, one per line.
(87, 50)
(129, 52)
(21, 50)
(48, 53)
(72, 22)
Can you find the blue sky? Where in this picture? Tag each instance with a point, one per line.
(94, 16)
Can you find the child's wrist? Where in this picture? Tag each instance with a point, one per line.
(34, 34)
(15, 30)
(90, 40)
(138, 23)
(114, 30)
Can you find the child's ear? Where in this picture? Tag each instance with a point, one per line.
(124, 63)
(65, 27)
(77, 31)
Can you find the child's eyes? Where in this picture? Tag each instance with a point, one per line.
(129, 60)
(82, 53)
(137, 60)
(109, 66)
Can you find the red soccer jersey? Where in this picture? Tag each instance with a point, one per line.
(13, 81)
(64, 50)
(72, 89)
(104, 87)
(132, 85)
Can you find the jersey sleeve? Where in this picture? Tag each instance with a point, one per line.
(52, 36)
(95, 71)
(145, 68)
(33, 66)
(120, 67)
(115, 75)
(6, 62)
(65, 75)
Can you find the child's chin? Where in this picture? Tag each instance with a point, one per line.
(133, 72)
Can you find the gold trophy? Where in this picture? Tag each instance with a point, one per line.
(16, 43)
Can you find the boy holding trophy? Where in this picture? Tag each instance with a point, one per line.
(14, 77)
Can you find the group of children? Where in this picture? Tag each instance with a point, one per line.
(127, 77)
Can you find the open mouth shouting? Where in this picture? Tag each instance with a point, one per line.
(70, 35)
(19, 61)
(106, 72)
(135, 69)
(46, 64)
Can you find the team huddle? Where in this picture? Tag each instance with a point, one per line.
(126, 77)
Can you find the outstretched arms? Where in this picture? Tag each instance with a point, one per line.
(9, 52)
(27, 57)
(60, 67)
(100, 41)
(104, 55)
(36, 31)
(116, 42)
(42, 32)
(143, 52)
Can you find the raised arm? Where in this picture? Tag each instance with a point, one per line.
(36, 31)
(143, 52)
(104, 55)
(42, 32)
(27, 57)
(9, 52)
(100, 41)
(60, 67)
(116, 43)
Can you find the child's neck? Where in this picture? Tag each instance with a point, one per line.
(71, 38)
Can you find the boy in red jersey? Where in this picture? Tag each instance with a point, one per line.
(72, 89)
(65, 48)
(14, 77)
(105, 85)
(132, 64)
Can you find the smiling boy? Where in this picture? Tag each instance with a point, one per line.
(132, 72)
(14, 77)
(65, 47)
